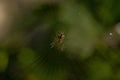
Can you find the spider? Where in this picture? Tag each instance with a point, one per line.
(59, 39)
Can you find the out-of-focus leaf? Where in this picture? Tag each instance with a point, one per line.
(26, 57)
(99, 70)
(3, 60)
(83, 29)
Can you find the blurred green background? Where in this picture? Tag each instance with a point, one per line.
(91, 44)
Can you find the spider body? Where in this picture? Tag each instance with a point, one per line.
(59, 39)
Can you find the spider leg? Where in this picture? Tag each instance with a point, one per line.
(62, 47)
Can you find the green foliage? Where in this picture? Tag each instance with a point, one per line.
(90, 52)
(3, 61)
